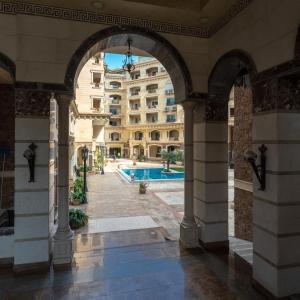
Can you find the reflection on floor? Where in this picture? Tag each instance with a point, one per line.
(243, 249)
(135, 265)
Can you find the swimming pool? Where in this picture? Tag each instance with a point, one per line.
(150, 174)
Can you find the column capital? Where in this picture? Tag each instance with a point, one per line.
(62, 98)
(189, 104)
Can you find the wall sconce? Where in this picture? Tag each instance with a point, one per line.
(259, 170)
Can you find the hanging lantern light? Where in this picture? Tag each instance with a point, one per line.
(128, 61)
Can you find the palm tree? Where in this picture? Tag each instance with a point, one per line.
(168, 156)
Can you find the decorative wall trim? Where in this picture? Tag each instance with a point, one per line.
(277, 89)
(26, 8)
(33, 103)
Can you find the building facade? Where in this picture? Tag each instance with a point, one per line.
(131, 115)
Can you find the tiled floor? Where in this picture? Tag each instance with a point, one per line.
(119, 224)
(114, 266)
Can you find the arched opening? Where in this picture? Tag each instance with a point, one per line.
(174, 135)
(115, 136)
(172, 148)
(228, 113)
(119, 142)
(115, 85)
(7, 157)
(138, 135)
(138, 151)
(155, 151)
(155, 135)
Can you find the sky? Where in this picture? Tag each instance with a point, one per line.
(114, 60)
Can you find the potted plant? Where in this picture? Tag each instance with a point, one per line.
(100, 161)
(143, 187)
(76, 197)
(77, 218)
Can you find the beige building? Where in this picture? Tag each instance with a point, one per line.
(131, 115)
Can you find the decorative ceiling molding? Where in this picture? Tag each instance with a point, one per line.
(25, 8)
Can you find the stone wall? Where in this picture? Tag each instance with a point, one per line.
(7, 141)
(242, 139)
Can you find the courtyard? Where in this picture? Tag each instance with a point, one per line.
(114, 204)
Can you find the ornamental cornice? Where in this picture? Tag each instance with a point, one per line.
(34, 9)
(156, 126)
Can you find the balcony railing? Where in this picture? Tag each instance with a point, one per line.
(135, 93)
(171, 108)
(152, 121)
(115, 101)
(173, 138)
(150, 106)
(134, 122)
(171, 120)
(168, 92)
(152, 91)
(155, 138)
(135, 107)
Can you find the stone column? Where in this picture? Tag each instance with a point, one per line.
(34, 206)
(63, 238)
(188, 226)
(211, 173)
(276, 210)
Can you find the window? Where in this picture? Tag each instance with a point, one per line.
(96, 103)
(169, 89)
(115, 85)
(114, 111)
(97, 60)
(135, 75)
(170, 101)
(114, 123)
(171, 118)
(96, 78)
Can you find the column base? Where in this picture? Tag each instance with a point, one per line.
(63, 248)
(189, 235)
(222, 246)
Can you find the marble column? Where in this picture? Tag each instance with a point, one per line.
(188, 226)
(63, 238)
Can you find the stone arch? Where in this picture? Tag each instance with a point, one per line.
(228, 67)
(143, 39)
(8, 66)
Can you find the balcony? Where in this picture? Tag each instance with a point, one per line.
(171, 120)
(171, 108)
(169, 92)
(173, 138)
(152, 91)
(135, 108)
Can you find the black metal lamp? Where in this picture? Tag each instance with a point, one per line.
(84, 155)
(128, 61)
(259, 170)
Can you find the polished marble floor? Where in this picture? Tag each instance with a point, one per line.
(134, 265)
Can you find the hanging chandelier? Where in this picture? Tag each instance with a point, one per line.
(128, 61)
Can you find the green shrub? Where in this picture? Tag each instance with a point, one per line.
(81, 168)
(77, 218)
(78, 184)
(78, 195)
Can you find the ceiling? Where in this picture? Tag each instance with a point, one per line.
(200, 13)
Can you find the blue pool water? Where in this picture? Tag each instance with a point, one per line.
(151, 174)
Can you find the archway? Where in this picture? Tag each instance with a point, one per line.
(233, 70)
(116, 38)
(155, 151)
(145, 40)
